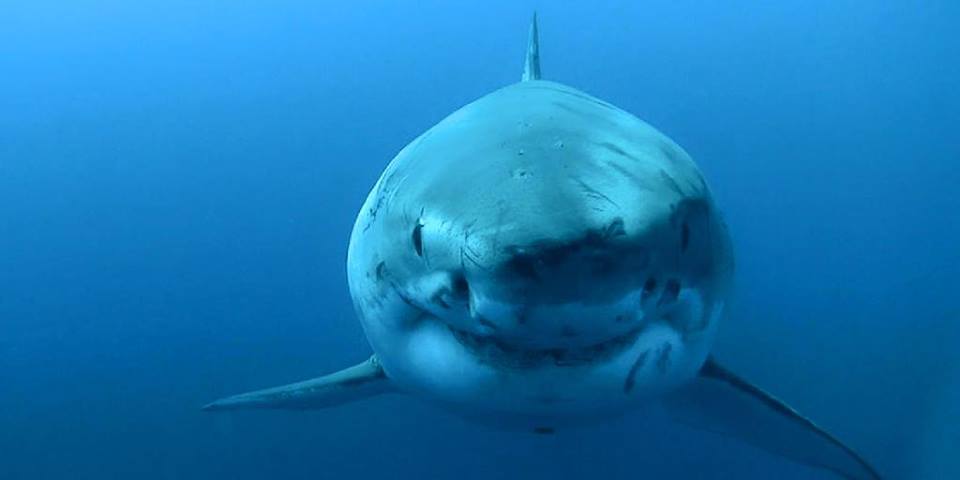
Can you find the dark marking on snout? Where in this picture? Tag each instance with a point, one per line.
(663, 357)
(523, 265)
(632, 374)
(554, 271)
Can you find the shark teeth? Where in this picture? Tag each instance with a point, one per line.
(493, 351)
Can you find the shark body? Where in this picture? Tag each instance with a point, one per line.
(541, 258)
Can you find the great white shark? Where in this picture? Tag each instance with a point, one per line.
(541, 258)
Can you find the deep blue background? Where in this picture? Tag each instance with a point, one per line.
(178, 181)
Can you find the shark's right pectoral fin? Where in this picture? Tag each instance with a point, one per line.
(354, 383)
(722, 402)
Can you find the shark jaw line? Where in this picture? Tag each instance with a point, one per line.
(488, 348)
(496, 352)
(670, 306)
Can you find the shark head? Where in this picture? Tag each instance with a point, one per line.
(540, 250)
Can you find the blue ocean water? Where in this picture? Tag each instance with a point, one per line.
(178, 181)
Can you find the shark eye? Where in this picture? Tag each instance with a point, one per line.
(418, 238)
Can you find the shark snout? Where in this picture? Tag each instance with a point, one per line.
(580, 290)
(590, 286)
(539, 285)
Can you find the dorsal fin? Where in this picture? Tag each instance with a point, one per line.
(531, 68)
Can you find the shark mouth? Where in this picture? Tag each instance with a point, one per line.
(496, 352)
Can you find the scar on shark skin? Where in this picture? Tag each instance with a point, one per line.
(663, 357)
(381, 268)
(631, 376)
(487, 323)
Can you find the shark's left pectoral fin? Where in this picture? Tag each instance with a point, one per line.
(721, 402)
(354, 383)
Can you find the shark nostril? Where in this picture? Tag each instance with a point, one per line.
(670, 292)
(459, 286)
(648, 288)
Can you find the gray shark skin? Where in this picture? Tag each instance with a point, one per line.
(541, 258)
